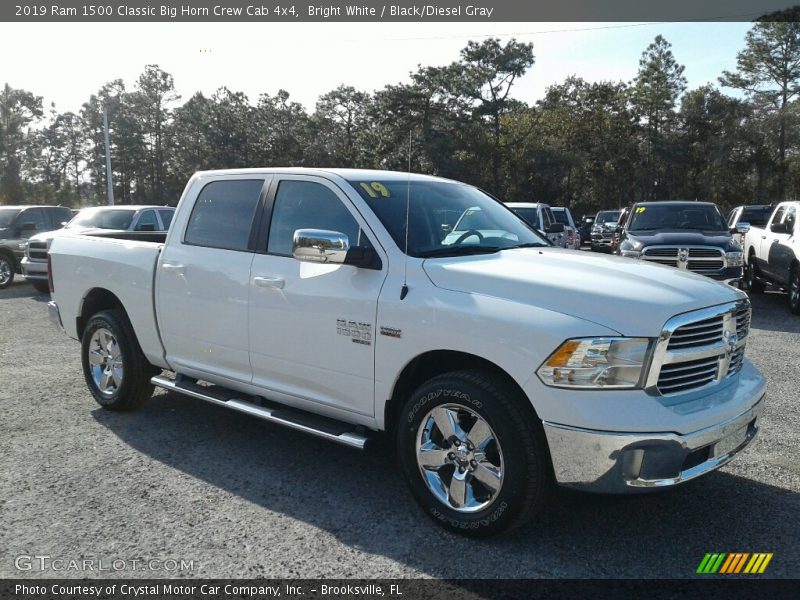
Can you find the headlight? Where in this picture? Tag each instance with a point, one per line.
(606, 362)
(734, 259)
(631, 253)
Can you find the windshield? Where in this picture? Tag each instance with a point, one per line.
(561, 216)
(7, 215)
(756, 215)
(103, 218)
(529, 215)
(445, 219)
(698, 217)
(609, 216)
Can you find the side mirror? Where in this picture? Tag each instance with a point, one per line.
(146, 227)
(320, 246)
(741, 227)
(27, 226)
(556, 228)
(446, 228)
(778, 228)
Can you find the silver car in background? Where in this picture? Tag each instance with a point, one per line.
(563, 216)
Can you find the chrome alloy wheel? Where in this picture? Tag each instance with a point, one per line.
(105, 361)
(459, 457)
(5, 271)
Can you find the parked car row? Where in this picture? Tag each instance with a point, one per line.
(26, 233)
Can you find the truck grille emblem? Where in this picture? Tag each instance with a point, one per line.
(683, 255)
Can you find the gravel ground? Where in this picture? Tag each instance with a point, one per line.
(242, 498)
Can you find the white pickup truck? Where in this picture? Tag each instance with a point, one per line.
(773, 253)
(326, 301)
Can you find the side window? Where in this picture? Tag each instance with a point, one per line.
(307, 205)
(35, 216)
(791, 219)
(147, 221)
(166, 217)
(547, 218)
(222, 216)
(778, 216)
(58, 217)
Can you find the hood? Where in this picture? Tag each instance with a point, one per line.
(630, 296)
(680, 238)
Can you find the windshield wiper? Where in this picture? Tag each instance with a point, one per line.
(526, 245)
(459, 251)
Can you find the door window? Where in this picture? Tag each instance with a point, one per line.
(791, 218)
(35, 216)
(147, 221)
(166, 217)
(307, 205)
(778, 217)
(222, 216)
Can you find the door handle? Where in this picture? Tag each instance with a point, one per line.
(173, 268)
(269, 282)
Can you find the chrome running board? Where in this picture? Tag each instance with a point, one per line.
(329, 429)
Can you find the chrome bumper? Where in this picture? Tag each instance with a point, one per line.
(55, 315)
(33, 270)
(609, 462)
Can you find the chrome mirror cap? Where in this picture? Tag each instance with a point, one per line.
(320, 246)
(742, 227)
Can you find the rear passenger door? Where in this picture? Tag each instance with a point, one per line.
(203, 281)
(781, 252)
(312, 326)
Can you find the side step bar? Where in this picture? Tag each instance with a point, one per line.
(323, 427)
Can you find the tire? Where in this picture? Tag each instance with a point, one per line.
(752, 282)
(515, 460)
(7, 269)
(41, 286)
(794, 290)
(122, 380)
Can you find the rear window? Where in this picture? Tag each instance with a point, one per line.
(222, 216)
(756, 215)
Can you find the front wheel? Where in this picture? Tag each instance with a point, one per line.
(115, 370)
(794, 290)
(753, 283)
(42, 287)
(6, 271)
(475, 459)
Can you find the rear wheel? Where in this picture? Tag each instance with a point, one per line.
(752, 281)
(474, 458)
(794, 290)
(6, 271)
(114, 367)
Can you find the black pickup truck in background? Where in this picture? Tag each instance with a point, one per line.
(683, 234)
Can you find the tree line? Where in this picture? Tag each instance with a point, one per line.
(583, 145)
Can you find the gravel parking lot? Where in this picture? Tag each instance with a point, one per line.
(182, 479)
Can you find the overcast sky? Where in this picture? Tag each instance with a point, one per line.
(65, 63)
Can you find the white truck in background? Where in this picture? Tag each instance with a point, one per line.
(326, 301)
(772, 253)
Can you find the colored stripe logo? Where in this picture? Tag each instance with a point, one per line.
(734, 563)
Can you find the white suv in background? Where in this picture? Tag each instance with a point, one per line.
(563, 216)
(540, 216)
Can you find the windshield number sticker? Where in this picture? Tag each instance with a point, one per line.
(641, 209)
(376, 189)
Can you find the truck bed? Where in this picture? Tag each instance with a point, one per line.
(122, 263)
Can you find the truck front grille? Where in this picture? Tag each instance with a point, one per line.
(698, 260)
(700, 348)
(37, 250)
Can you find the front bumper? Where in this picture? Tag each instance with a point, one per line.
(55, 315)
(612, 462)
(33, 270)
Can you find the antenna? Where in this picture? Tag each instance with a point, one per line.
(404, 289)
